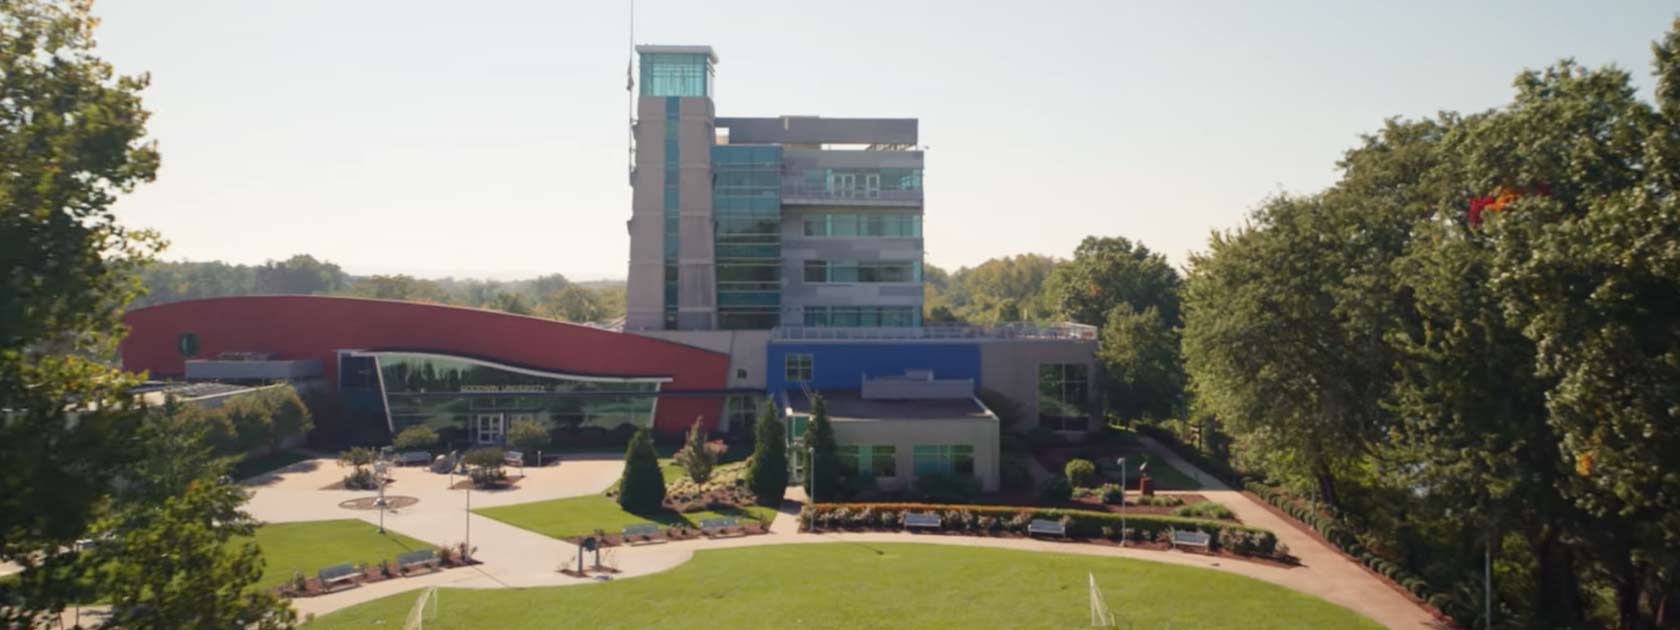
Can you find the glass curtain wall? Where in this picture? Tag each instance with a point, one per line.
(676, 74)
(747, 208)
(1064, 391)
(477, 400)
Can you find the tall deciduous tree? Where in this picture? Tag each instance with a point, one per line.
(1588, 265)
(72, 138)
(1267, 350)
(1107, 271)
(1143, 369)
(767, 474)
(170, 567)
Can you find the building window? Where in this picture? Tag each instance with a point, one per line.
(740, 412)
(798, 367)
(796, 429)
(1063, 396)
(848, 457)
(840, 225)
(817, 271)
(883, 461)
(944, 459)
(857, 316)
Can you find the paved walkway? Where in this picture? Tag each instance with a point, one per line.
(514, 557)
(1327, 573)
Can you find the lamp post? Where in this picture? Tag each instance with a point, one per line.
(467, 545)
(379, 503)
(811, 463)
(1122, 502)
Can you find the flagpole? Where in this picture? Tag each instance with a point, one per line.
(630, 102)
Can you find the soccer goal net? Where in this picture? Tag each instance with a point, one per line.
(417, 615)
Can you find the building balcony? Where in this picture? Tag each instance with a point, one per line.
(795, 193)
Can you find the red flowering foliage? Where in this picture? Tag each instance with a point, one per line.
(1502, 197)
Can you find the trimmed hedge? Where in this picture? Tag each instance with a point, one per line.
(1080, 523)
(1344, 537)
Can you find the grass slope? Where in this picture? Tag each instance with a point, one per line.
(308, 546)
(559, 518)
(849, 585)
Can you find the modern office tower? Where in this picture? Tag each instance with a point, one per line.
(754, 223)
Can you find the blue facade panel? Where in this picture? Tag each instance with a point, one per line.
(843, 365)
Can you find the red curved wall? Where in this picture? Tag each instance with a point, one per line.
(299, 327)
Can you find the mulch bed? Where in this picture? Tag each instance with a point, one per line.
(610, 539)
(339, 485)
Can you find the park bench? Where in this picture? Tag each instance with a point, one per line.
(1046, 527)
(421, 558)
(715, 526)
(923, 519)
(647, 531)
(1191, 539)
(412, 458)
(337, 573)
(514, 458)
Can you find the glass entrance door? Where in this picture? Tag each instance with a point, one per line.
(872, 185)
(490, 428)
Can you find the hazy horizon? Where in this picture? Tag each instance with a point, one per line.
(424, 139)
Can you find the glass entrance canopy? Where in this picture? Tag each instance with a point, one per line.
(479, 398)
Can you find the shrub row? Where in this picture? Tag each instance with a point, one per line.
(1345, 537)
(1079, 523)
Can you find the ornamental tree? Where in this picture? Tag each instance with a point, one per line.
(696, 456)
(767, 471)
(822, 470)
(641, 489)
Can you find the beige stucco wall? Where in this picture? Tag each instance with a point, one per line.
(1011, 368)
(905, 435)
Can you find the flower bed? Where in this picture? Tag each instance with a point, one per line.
(1013, 521)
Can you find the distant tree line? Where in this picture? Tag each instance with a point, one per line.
(551, 296)
(1128, 291)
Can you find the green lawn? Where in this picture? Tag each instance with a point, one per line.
(848, 585)
(1165, 475)
(575, 516)
(310, 545)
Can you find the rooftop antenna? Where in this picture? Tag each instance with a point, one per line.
(630, 100)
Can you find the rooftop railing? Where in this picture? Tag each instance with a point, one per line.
(1062, 331)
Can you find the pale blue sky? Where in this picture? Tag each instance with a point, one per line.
(487, 138)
